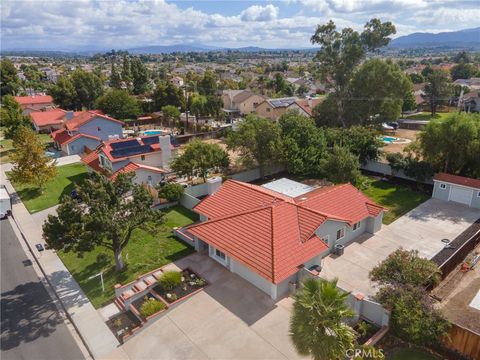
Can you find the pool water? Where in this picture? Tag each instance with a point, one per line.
(153, 132)
(389, 139)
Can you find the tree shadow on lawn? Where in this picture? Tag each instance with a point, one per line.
(74, 181)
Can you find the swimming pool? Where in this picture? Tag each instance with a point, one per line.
(153, 132)
(389, 139)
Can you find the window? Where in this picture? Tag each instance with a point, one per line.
(220, 254)
(443, 186)
(72, 147)
(142, 157)
(268, 109)
(340, 233)
(478, 194)
(356, 226)
(99, 128)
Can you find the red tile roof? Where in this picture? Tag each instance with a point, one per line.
(308, 105)
(46, 118)
(91, 160)
(134, 167)
(37, 99)
(62, 137)
(272, 233)
(81, 118)
(107, 148)
(459, 180)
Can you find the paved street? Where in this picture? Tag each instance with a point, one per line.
(31, 327)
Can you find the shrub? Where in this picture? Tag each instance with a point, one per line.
(199, 282)
(170, 279)
(150, 307)
(171, 192)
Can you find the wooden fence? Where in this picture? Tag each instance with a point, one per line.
(464, 341)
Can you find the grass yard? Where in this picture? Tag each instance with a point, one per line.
(397, 199)
(6, 146)
(62, 184)
(412, 354)
(143, 253)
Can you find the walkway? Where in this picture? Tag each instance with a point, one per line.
(91, 326)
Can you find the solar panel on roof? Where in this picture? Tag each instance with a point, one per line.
(123, 144)
(151, 140)
(131, 150)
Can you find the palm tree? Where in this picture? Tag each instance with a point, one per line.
(316, 325)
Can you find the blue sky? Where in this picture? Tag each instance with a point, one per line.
(81, 24)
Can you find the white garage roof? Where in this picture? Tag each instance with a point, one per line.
(288, 187)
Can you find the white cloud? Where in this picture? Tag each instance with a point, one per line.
(259, 13)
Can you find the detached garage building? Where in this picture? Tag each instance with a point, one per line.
(458, 189)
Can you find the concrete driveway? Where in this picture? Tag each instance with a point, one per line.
(421, 229)
(230, 319)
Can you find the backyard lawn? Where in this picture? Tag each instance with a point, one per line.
(397, 199)
(144, 252)
(426, 115)
(62, 184)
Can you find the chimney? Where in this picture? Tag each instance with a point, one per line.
(166, 148)
(213, 184)
(69, 115)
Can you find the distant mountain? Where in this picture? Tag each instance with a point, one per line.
(168, 49)
(456, 39)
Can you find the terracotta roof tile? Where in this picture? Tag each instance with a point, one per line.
(459, 180)
(37, 99)
(81, 118)
(46, 118)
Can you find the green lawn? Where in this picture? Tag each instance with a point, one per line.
(6, 146)
(61, 185)
(397, 199)
(426, 115)
(143, 253)
(412, 354)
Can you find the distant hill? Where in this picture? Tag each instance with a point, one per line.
(168, 49)
(454, 39)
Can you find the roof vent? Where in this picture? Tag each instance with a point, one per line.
(303, 198)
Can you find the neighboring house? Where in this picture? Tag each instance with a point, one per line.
(456, 188)
(267, 234)
(35, 103)
(148, 156)
(473, 83)
(274, 108)
(470, 101)
(48, 121)
(297, 82)
(305, 106)
(240, 101)
(177, 81)
(85, 129)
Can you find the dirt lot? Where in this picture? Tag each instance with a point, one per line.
(401, 133)
(457, 291)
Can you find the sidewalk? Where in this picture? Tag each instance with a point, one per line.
(87, 320)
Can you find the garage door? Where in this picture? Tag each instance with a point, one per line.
(461, 195)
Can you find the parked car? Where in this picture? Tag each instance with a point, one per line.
(5, 203)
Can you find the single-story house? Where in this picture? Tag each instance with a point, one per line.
(147, 156)
(86, 129)
(305, 106)
(267, 234)
(48, 121)
(459, 189)
(34, 103)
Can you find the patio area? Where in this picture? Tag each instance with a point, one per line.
(230, 318)
(421, 229)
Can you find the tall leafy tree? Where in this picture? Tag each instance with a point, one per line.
(208, 84)
(341, 52)
(170, 113)
(199, 158)
(30, 164)
(342, 166)
(119, 104)
(88, 87)
(63, 93)
(115, 78)
(452, 145)
(463, 71)
(317, 326)
(437, 90)
(140, 76)
(11, 117)
(257, 140)
(303, 145)
(126, 70)
(107, 216)
(9, 81)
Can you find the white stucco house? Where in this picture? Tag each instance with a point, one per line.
(456, 188)
(267, 234)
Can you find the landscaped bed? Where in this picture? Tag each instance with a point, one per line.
(144, 253)
(175, 285)
(365, 331)
(148, 306)
(123, 325)
(67, 176)
(398, 199)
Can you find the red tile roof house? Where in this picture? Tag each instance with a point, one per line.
(147, 156)
(35, 103)
(48, 121)
(456, 188)
(267, 237)
(85, 129)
